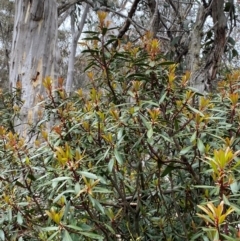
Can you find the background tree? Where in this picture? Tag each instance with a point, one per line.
(76, 32)
(33, 55)
(6, 28)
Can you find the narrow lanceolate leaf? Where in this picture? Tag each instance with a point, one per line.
(2, 235)
(185, 150)
(92, 235)
(67, 236)
(110, 165)
(195, 110)
(150, 133)
(118, 156)
(88, 175)
(167, 170)
(205, 218)
(193, 137)
(61, 179)
(234, 187)
(200, 146)
(19, 218)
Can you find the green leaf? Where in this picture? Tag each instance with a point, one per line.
(162, 98)
(228, 237)
(74, 227)
(89, 66)
(110, 165)
(185, 150)
(66, 211)
(137, 76)
(91, 32)
(234, 53)
(150, 133)
(53, 235)
(193, 137)
(196, 235)
(167, 170)
(99, 206)
(2, 235)
(166, 138)
(231, 41)
(19, 218)
(205, 238)
(88, 175)
(66, 236)
(101, 190)
(226, 200)
(152, 63)
(204, 186)
(92, 38)
(61, 179)
(149, 103)
(120, 133)
(109, 228)
(61, 194)
(234, 187)
(200, 146)
(118, 156)
(31, 177)
(236, 208)
(110, 41)
(49, 229)
(19, 184)
(92, 235)
(145, 122)
(9, 215)
(195, 110)
(77, 188)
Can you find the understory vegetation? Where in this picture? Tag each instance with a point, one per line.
(140, 155)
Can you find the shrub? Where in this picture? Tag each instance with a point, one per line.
(140, 156)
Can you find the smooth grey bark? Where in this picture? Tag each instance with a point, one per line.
(193, 62)
(33, 55)
(75, 37)
(204, 74)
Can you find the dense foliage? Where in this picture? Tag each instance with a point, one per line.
(138, 156)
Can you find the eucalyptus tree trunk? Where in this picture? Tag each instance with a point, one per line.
(33, 55)
(76, 33)
(204, 74)
(198, 75)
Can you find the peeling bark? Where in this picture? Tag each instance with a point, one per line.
(33, 54)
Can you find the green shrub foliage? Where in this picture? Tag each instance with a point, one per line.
(138, 156)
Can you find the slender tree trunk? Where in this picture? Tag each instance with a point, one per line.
(75, 37)
(33, 54)
(154, 23)
(220, 30)
(193, 59)
(204, 75)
